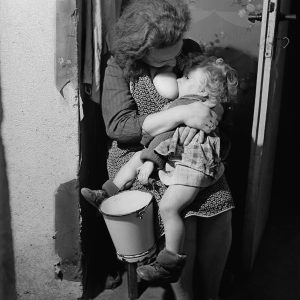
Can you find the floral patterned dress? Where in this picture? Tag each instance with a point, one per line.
(211, 201)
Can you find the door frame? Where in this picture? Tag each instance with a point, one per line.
(264, 128)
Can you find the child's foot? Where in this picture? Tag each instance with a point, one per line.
(165, 269)
(94, 197)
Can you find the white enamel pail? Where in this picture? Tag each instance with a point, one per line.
(129, 219)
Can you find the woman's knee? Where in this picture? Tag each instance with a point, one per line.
(190, 224)
(224, 225)
(214, 232)
(223, 218)
(216, 223)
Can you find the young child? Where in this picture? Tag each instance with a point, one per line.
(185, 169)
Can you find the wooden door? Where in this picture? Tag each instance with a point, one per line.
(273, 43)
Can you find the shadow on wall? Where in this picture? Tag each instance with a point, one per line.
(67, 231)
(98, 253)
(7, 265)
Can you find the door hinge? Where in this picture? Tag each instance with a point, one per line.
(271, 7)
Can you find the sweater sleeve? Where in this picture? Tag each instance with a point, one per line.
(119, 110)
(150, 154)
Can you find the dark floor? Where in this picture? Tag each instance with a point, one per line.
(276, 272)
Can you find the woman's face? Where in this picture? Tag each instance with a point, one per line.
(193, 83)
(165, 57)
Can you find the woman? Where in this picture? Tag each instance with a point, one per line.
(148, 37)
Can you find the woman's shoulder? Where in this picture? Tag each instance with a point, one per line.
(113, 68)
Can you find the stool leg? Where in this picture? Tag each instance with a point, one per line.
(132, 281)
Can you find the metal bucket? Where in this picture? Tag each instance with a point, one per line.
(129, 219)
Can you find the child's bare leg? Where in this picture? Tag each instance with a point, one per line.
(174, 200)
(128, 172)
(170, 261)
(123, 180)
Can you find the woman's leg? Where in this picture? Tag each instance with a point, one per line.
(213, 244)
(183, 288)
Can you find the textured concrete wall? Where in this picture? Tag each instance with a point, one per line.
(40, 138)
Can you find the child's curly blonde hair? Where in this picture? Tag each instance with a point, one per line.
(221, 82)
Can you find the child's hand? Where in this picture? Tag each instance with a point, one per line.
(144, 171)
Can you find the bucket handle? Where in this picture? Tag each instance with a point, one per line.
(140, 213)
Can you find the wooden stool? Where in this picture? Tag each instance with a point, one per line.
(131, 230)
(132, 281)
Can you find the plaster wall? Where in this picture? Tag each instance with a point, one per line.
(40, 140)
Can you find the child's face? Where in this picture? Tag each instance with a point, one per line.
(193, 83)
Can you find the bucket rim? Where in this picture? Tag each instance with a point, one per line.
(136, 257)
(127, 214)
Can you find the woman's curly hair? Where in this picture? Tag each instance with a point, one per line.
(221, 82)
(144, 25)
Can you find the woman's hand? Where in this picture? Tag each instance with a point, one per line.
(186, 134)
(197, 115)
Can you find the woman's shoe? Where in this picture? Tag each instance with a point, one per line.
(94, 197)
(113, 280)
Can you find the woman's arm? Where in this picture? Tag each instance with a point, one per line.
(195, 115)
(120, 115)
(119, 110)
(125, 125)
